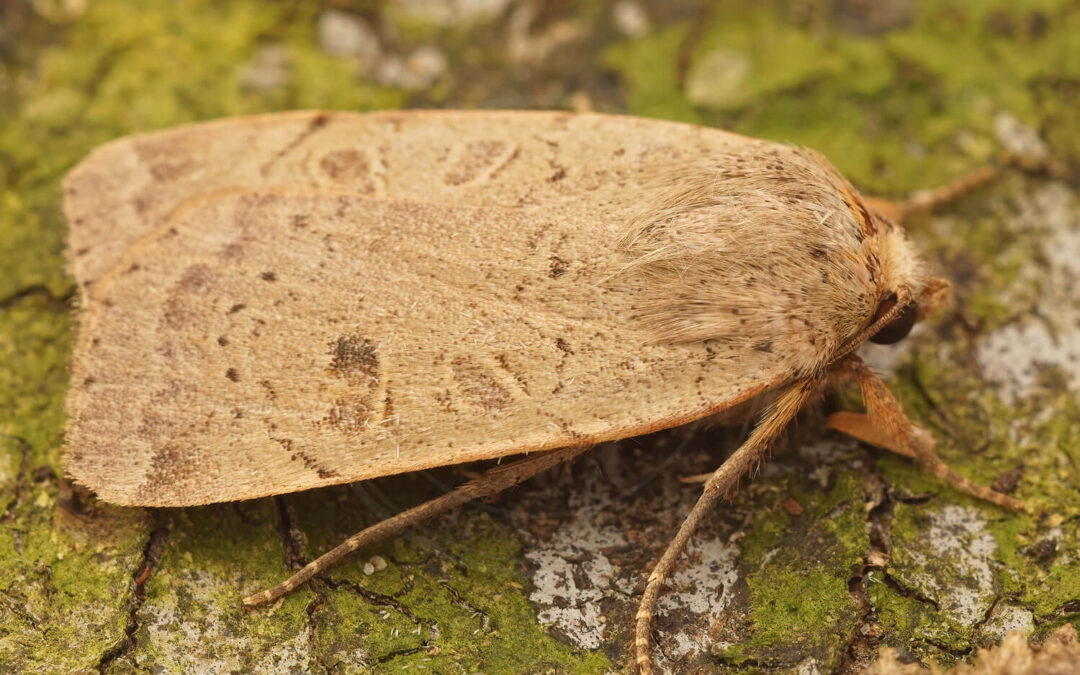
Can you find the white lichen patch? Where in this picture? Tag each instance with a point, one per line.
(824, 452)
(189, 629)
(885, 359)
(573, 578)
(808, 667)
(704, 587)
(1019, 139)
(451, 12)
(1011, 357)
(1006, 618)
(820, 458)
(572, 575)
(1048, 334)
(952, 563)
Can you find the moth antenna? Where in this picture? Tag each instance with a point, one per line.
(772, 424)
(492, 482)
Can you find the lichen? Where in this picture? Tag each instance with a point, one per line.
(191, 618)
(451, 595)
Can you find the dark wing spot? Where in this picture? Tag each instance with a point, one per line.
(350, 415)
(196, 280)
(480, 385)
(349, 166)
(355, 358)
(298, 455)
(232, 374)
(557, 267)
(177, 470)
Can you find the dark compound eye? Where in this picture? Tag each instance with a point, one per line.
(897, 329)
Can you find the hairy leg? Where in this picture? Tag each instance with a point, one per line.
(720, 484)
(928, 200)
(860, 426)
(885, 425)
(492, 482)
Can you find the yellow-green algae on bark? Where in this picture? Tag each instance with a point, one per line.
(833, 550)
(63, 577)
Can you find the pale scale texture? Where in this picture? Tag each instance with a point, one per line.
(287, 302)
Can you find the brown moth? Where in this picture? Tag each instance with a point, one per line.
(284, 302)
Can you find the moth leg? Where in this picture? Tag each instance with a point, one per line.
(860, 426)
(491, 483)
(697, 478)
(886, 425)
(720, 484)
(928, 200)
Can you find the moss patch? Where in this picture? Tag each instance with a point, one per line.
(796, 570)
(907, 109)
(64, 571)
(448, 596)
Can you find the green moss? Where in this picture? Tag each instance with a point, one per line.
(796, 570)
(905, 111)
(458, 580)
(792, 606)
(192, 616)
(1039, 434)
(913, 625)
(65, 574)
(920, 609)
(1047, 454)
(649, 66)
(780, 57)
(65, 587)
(35, 341)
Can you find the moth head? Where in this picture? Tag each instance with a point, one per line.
(907, 294)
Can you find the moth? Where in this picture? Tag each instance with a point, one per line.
(284, 302)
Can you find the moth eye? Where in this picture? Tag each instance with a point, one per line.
(897, 329)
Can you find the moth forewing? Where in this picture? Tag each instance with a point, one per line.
(379, 337)
(595, 164)
(467, 260)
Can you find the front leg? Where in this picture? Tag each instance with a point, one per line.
(885, 425)
(862, 427)
(928, 200)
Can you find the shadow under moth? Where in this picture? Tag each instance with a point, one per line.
(284, 302)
